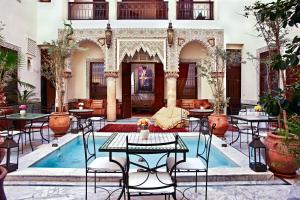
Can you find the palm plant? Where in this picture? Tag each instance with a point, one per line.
(9, 63)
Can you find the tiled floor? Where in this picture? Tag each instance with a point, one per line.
(273, 189)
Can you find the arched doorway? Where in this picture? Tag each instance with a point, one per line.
(188, 82)
(142, 84)
(88, 79)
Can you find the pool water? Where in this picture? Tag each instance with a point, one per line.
(71, 155)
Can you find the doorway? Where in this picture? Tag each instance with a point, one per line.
(98, 87)
(142, 88)
(233, 81)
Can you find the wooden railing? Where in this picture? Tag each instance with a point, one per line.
(88, 10)
(143, 10)
(203, 10)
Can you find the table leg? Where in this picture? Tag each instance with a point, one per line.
(29, 135)
(123, 173)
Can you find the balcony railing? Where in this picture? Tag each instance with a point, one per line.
(88, 10)
(142, 10)
(203, 10)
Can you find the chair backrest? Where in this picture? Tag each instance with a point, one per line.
(204, 143)
(136, 155)
(88, 141)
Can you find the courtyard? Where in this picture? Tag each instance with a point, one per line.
(152, 99)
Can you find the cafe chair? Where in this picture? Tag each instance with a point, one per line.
(199, 163)
(97, 165)
(151, 178)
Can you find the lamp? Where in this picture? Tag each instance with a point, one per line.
(257, 155)
(170, 34)
(8, 145)
(108, 35)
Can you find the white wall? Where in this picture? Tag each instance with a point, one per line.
(77, 85)
(20, 24)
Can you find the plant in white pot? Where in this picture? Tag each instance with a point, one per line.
(53, 69)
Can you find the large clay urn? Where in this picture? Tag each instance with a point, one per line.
(59, 123)
(279, 158)
(221, 122)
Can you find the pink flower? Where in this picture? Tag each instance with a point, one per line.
(23, 107)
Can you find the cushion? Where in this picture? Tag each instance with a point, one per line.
(188, 103)
(167, 118)
(97, 104)
(202, 103)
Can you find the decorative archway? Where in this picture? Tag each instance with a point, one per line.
(151, 46)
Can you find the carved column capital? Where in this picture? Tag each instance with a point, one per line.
(111, 74)
(171, 74)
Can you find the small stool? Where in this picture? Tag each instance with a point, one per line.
(191, 120)
(97, 119)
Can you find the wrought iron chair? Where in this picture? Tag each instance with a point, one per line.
(199, 163)
(93, 164)
(150, 180)
(240, 127)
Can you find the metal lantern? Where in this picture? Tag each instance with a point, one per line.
(257, 155)
(108, 35)
(9, 144)
(170, 32)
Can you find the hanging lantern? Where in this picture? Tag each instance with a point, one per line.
(257, 155)
(9, 145)
(108, 35)
(170, 34)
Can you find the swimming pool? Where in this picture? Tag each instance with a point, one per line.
(71, 155)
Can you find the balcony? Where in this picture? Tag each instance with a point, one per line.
(88, 10)
(142, 10)
(203, 10)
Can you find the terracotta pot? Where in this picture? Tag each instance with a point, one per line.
(279, 159)
(221, 122)
(59, 123)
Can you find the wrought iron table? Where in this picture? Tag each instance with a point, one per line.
(201, 114)
(252, 119)
(116, 143)
(31, 117)
(76, 113)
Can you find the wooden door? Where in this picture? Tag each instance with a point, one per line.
(233, 82)
(263, 76)
(292, 77)
(187, 81)
(126, 90)
(159, 87)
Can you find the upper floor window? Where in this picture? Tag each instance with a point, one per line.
(83, 10)
(195, 9)
(143, 9)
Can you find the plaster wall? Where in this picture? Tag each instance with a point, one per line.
(78, 85)
(20, 20)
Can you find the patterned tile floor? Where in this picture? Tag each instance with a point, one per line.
(273, 190)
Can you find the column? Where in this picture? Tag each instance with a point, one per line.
(171, 77)
(172, 5)
(111, 108)
(112, 6)
(67, 76)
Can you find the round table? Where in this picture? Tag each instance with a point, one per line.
(76, 113)
(201, 115)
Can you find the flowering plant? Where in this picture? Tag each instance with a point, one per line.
(23, 107)
(81, 104)
(143, 123)
(258, 108)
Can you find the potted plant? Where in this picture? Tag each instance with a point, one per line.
(283, 145)
(54, 70)
(212, 69)
(144, 124)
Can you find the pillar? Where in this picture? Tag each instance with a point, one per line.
(172, 5)
(111, 108)
(112, 6)
(171, 77)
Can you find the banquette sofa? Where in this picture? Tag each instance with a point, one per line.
(194, 103)
(98, 105)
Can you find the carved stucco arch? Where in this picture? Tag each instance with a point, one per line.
(152, 46)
